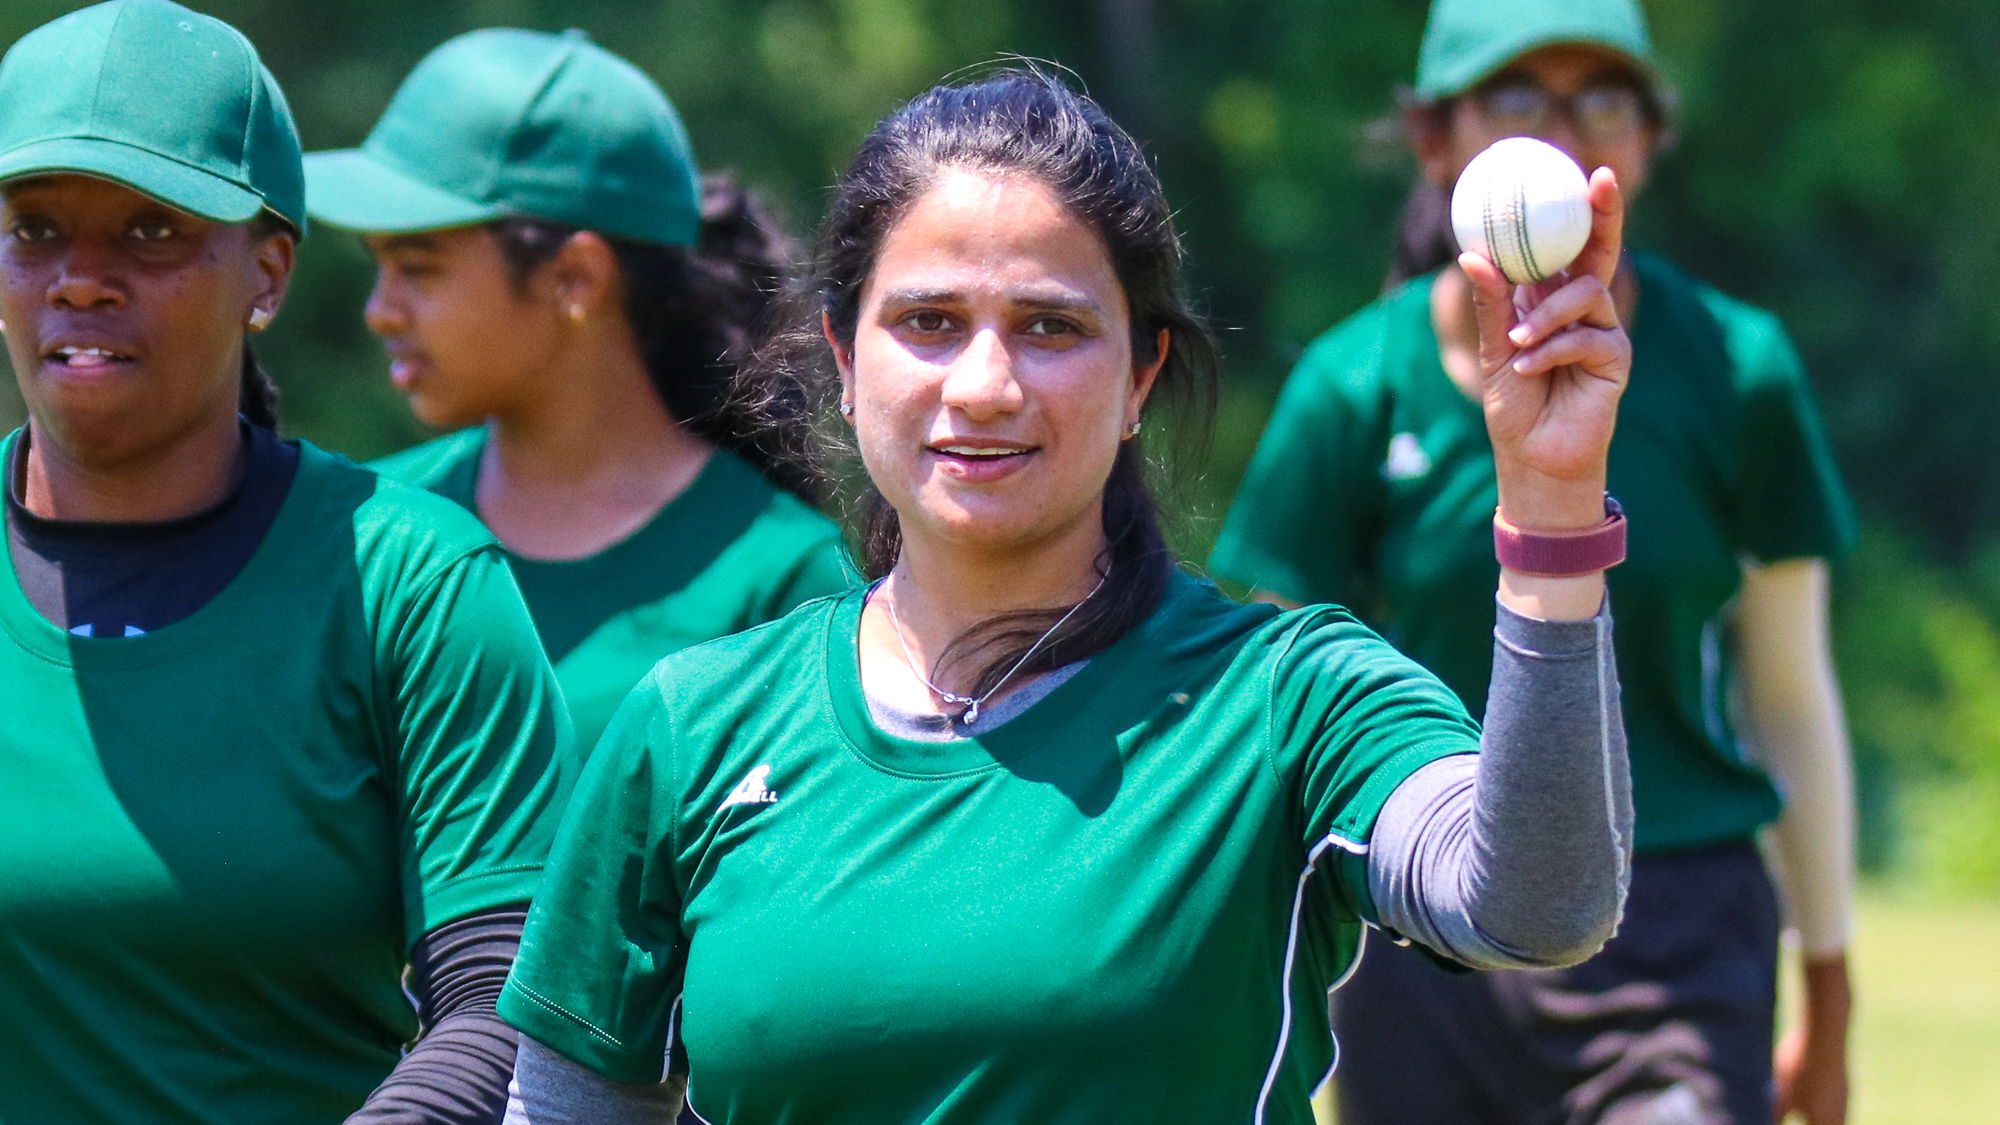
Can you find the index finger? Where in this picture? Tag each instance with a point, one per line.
(1607, 228)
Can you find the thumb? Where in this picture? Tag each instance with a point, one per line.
(1493, 311)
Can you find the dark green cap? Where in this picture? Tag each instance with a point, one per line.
(164, 100)
(1467, 40)
(505, 122)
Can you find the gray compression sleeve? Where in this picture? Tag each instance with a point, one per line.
(549, 1089)
(456, 1074)
(1518, 856)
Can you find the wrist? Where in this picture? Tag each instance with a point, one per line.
(1828, 997)
(1537, 502)
(1564, 553)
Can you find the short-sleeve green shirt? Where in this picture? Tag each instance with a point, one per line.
(1125, 904)
(219, 839)
(1374, 487)
(730, 552)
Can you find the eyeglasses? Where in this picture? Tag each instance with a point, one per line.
(1602, 112)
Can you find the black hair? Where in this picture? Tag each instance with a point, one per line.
(257, 398)
(1424, 241)
(696, 313)
(1017, 122)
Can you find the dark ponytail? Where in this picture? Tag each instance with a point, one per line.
(258, 398)
(1424, 240)
(257, 395)
(1019, 122)
(696, 313)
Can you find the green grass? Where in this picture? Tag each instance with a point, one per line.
(1926, 1048)
(1927, 1021)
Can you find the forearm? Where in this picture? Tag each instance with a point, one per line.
(549, 1089)
(1795, 730)
(1518, 856)
(457, 1073)
(1811, 845)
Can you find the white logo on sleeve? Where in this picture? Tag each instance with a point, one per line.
(754, 789)
(1407, 459)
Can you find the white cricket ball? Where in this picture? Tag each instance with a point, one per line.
(1523, 205)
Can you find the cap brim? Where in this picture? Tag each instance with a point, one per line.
(353, 189)
(177, 185)
(1478, 67)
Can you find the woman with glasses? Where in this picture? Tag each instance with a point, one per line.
(1374, 487)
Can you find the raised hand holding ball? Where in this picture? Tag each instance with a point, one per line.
(1523, 205)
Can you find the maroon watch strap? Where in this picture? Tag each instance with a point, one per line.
(1562, 554)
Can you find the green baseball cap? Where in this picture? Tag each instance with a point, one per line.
(1467, 40)
(164, 100)
(504, 122)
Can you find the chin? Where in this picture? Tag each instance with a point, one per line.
(441, 415)
(991, 526)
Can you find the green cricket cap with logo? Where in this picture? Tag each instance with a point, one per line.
(159, 98)
(1465, 41)
(502, 122)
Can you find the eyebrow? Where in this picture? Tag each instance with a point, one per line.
(403, 242)
(1049, 301)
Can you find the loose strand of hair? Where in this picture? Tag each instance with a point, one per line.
(257, 399)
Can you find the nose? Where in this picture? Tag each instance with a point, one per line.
(1560, 131)
(980, 382)
(384, 313)
(86, 279)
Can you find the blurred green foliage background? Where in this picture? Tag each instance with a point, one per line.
(1837, 162)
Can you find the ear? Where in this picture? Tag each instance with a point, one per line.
(1429, 130)
(843, 360)
(582, 279)
(1144, 376)
(271, 260)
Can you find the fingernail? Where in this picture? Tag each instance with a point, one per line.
(1520, 334)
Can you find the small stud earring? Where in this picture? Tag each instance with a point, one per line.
(259, 320)
(846, 408)
(576, 314)
(1132, 431)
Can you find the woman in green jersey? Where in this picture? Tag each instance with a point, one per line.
(278, 739)
(1373, 487)
(1037, 827)
(553, 274)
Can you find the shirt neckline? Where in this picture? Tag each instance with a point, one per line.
(1063, 715)
(43, 638)
(708, 489)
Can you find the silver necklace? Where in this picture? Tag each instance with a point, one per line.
(971, 704)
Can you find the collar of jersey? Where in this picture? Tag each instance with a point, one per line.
(1087, 705)
(44, 639)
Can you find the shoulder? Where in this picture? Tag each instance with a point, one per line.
(1752, 337)
(396, 530)
(730, 674)
(1353, 356)
(429, 464)
(1311, 665)
(777, 509)
(1199, 619)
(783, 536)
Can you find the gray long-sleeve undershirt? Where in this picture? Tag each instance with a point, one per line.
(1517, 856)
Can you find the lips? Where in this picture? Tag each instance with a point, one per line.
(405, 368)
(980, 460)
(88, 357)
